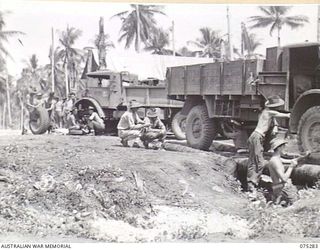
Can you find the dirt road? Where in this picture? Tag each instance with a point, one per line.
(88, 188)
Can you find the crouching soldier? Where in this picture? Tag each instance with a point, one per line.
(156, 130)
(130, 126)
(95, 122)
(283, 190)
(75, 128)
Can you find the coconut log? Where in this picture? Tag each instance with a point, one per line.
(304, 174)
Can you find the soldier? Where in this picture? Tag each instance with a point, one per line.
(50, 103)
(156, 131)
(68, 105)
(282, 188)
(130, 125)
(95, 123)
(256, 140)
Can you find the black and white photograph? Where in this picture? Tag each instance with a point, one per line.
(159, 122)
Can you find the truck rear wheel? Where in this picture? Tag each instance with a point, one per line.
(201, 130)
(178, 126)
(309, 132)
(39, 121)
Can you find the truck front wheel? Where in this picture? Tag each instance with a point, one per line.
(309, 131)
(200, 129)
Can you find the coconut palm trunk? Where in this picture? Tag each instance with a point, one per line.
(66, 78)
(4, 115)
(8, 100)
(138, 28)
(279, 31)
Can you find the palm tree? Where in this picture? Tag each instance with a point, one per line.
(157, 42)
(4, 37)
(107, 43)
(70, 56)
(138, 23)
(58, 73)
(4, 53)
(32, 64)
(209, 43)
(276, 17)
(249, 43)
(102, 43)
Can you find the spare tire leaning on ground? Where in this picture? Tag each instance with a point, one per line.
(39, 121)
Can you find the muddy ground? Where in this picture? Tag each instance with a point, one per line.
(91, 189)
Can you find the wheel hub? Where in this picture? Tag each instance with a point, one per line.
(196, 128)
(314, 135)
(183, 125)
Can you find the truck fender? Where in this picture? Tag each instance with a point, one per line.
(305, 101)
(189, 103)
(89, 101)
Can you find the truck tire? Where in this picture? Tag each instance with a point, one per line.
(39, 121)
(201, 130)
(309, 132)
(178, 126)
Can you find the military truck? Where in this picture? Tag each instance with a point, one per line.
(228, 96)
(109, 93)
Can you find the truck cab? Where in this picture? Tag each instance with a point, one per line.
(293, 72)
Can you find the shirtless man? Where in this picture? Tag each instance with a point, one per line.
(282, 188)
(256, 140)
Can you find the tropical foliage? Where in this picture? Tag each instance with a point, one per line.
(249, 43)
(6, 87)
(276, 18)
(4, 37)
(70, 56)
(209, 43)
(138, 23)
(158, 41)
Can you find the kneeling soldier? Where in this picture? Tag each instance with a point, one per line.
(156, 130)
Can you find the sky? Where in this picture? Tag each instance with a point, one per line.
(36, 18)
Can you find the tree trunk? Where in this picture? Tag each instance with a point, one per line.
(279, 29)
(66, 78)
(138, 28)
(8, 101)
(1, 117)
(4, 115)
(52, 60)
